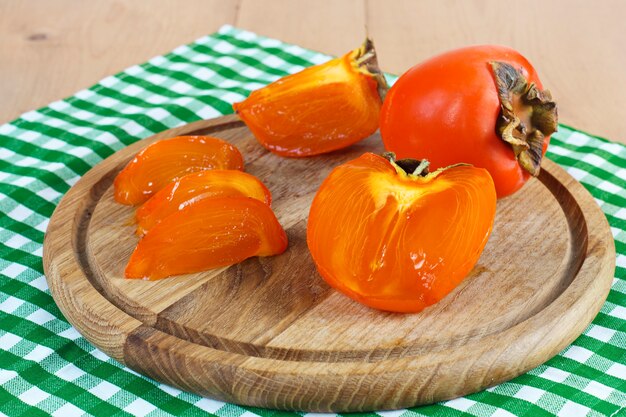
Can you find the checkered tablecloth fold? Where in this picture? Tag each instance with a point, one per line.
(48, 368)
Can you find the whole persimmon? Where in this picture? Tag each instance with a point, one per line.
(482, 105)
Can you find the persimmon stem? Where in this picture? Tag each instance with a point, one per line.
(410, 166)
(422, 168)
(366, 57)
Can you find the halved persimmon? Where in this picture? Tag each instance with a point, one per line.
(194, 187)
(211, 233)
(319, 109)
(169, 159)
(396, 238)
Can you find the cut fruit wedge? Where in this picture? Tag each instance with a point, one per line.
(197, 186)
(212, 233)
(319, 109)
(169, 159)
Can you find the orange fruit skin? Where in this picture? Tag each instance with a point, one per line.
(446, 108)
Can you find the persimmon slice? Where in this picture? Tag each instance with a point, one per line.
(320, 109)
(169, 159)
(210, 233)
(194, 187)
(399, 241)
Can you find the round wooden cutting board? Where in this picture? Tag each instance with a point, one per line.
(269, 332)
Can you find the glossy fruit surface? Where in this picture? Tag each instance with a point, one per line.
(169, 159)
(482, 105)
(194, 187)
(211, 233)
(320, 109)
(396, 241)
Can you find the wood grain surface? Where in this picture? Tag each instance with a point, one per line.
(269, 332)
(50, 49)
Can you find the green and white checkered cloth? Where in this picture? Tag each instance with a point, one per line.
(47, 368)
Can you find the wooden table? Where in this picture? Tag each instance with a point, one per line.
(49, 49)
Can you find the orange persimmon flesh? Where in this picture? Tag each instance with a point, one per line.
(169, 159)
(320, 109)
(211, 233)
(396, 241)
(193, 187)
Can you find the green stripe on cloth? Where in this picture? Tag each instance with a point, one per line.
(47, 368)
